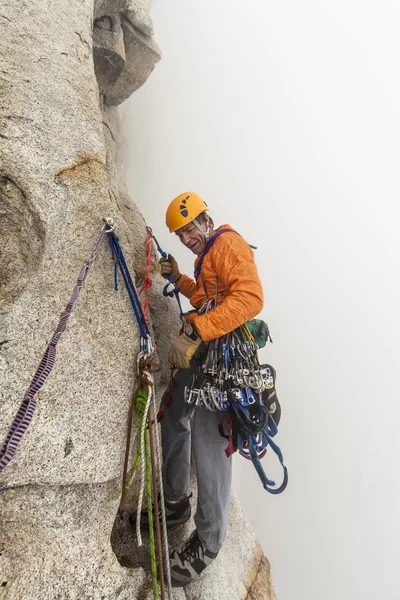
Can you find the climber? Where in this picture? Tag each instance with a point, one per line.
(225, 273)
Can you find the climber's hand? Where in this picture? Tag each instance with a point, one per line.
(184, 347)
(169, 267)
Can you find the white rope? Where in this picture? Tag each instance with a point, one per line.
(160, 485)
(142, 468)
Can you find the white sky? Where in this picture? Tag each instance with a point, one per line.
(284, 116)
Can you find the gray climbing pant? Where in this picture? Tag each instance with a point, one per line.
(214, 469)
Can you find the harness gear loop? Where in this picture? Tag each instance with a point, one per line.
(27, 408)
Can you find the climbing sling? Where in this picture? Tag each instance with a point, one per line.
(27, 408)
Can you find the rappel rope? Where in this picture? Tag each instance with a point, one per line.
(153, 560)
(149, 465)
(151, 389)
(161, 488)
(142, 403)
(27, 408)
(155, 496)
(171, 289)
(142, 469)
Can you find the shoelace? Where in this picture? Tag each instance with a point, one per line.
(191, 550)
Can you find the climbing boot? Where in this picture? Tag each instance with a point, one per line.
(189, 561)
(175, 513)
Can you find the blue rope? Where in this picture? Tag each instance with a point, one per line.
(267, 428)
(175, 291)
(120, 262)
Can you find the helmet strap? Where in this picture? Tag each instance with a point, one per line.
(205, 233)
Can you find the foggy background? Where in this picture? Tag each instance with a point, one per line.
(284, 117)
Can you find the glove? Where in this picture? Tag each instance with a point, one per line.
(191, 316)
(169, 267)
(184, 347)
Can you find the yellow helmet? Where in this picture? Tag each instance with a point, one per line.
(183, 209)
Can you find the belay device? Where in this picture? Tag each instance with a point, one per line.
(230, 378)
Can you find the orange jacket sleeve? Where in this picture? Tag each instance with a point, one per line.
(233, 261)
(186, 285)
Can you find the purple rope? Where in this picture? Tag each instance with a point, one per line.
(25, 412)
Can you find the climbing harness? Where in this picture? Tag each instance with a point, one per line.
(27, 408)
(170, 289)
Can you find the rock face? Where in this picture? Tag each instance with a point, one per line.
(124, 51)
(63, 68)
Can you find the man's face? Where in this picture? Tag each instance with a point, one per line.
(192, 238)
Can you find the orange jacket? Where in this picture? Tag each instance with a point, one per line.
(230, 262)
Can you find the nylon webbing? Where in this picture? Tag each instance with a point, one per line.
(27, 408)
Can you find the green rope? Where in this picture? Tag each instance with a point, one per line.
(150, 516)
(141, 402)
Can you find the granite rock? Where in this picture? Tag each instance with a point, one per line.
(63, 65)
(60, 494)
(124, 49)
